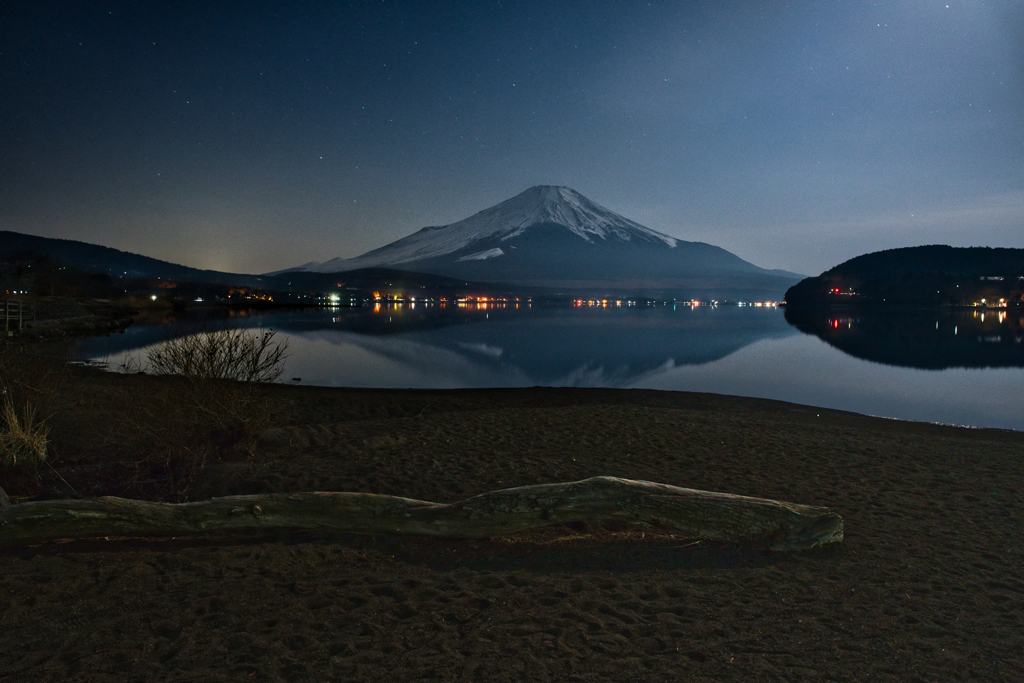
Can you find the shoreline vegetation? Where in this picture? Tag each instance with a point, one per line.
(925, 584)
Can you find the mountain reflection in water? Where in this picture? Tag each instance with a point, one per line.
(490, 346)
(932, 339)
(876, 364)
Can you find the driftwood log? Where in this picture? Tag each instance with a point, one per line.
(695, 514)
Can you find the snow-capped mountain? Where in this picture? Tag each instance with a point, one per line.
(540, 205)
(554, 237)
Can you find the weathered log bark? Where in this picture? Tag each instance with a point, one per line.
(696, 514)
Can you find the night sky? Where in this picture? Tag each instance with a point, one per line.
(255, 136)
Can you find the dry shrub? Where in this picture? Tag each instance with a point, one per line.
(206, 402)
(221, 368)
(224, 352)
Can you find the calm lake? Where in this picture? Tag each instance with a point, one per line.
(955, 367)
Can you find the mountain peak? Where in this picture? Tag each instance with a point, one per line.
(548, 194)
(552, 195)
(562, 206)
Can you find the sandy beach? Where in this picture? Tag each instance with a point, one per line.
(927, 585)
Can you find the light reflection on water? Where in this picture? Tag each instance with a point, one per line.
(844, 362)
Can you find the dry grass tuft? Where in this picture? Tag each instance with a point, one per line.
(23, 439)
(33, 390)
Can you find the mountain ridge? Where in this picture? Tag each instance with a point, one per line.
(96, 258)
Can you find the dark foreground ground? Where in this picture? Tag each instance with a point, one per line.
(928, 585)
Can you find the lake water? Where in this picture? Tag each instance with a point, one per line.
(954, 367)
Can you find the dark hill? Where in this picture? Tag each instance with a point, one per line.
(93, 258)
(934, 275)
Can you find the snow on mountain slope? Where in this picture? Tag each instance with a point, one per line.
(538, 205)
(484, 255)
